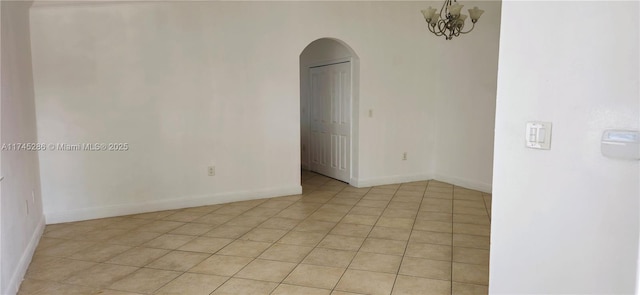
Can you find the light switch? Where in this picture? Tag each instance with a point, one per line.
(538, 135)
(532, 134)
(541, 134)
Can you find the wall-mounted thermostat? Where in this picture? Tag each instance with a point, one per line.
(621, 144)
(538, 135)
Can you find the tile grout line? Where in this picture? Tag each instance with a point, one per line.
(255, 258)
(484, 201)
(316, 245)
(211, 254)
(356, 252)
(409, 239)
(367, 236)
(236, 239)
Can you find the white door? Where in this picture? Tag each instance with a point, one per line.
(330, 120)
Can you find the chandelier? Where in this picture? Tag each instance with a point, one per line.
(449, 22)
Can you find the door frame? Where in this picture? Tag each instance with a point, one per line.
(354, 104)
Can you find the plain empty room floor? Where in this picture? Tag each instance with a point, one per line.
(423, 237)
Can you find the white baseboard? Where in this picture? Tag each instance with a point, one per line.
(466, 183)
(159, 205)
(367, 182)
(25, 260)
(193, 201)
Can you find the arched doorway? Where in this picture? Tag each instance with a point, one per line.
(329, 75)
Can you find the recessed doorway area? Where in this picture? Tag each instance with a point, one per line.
(328, 109)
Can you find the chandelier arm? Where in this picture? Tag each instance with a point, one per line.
(432, 30)
(444, 9)
(448, 31)
(472, 27)
(457, 30)
(442, 26)
(439, 32)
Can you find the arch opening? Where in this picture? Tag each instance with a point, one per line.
(329, 104)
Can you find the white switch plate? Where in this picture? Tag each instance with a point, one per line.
(538, 135)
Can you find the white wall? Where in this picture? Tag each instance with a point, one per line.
(198, 83)
(20, 229)
(565, 221)
(466, 112)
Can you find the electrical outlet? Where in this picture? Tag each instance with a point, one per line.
(212, 170)
(404, 156)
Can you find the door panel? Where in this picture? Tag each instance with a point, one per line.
(330, 126)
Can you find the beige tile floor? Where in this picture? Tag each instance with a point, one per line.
(424, 237)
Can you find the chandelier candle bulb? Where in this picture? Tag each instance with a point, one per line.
(428, 13)
(461, 20)
(435, 19)
(455, 9)
(475, 13)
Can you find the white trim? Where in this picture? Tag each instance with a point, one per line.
(470, 184)
(367, 182)
(159, 205)
(354, 129)
(25, 259)
(354, 157)
(466, 183)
